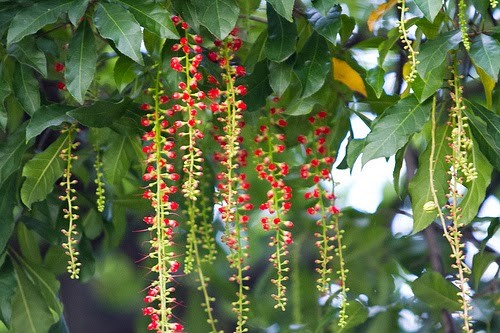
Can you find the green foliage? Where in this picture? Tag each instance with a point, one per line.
(112, 51)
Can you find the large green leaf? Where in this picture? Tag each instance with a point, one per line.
(47, 116)
(30, 310)
(313, 65)
(153, 17)
(28, 244)
(218, 16)
(430, 8)
(435, 291)
(484, 53)
(484, 137)
(26, 89)
(116, 23)
(424, 87)
(77, 10)
(124, 72)
(283, 8)
(394, 127)
(432, 54)
(81, 62)
(11, 153)
(476, 189)
(375, 77)
(280, 75)
(27, 53)
(480, 263)
(101, 113)
(419, 187)
(327, 26)
(32, 18)
(116, 161)
(42, 171)
(7, 204)
(282, 36)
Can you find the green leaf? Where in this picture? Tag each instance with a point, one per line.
(375, 77)
(153, 17)
(280, 75)
(354, 149)
(394, 127)
(476, 189)
(432, 54)
(247, 7)
(432, 289)
(92, 224)
(283, 7)
(257, 52)
(7, 282)
(424, 87)
(387, 45)
(491, 119)
(116, 23)
(101, 113)
(77, 10)
(26, 88)
(116, 161)
(484, 137)
(218, 16)
(8, 193)
(484, 53)
(347, 26)
(313, 65)
(282, 36)
(480, 263)
(258, 86)
(47, 116)
(396, 173)
(430, 8)
(27, 53)
(30, 312)
(42, 171)
(419, 187)
(32, 18)
(11, 153)
(124, 72)
(81, 62)
(327, 26)
(28, 244)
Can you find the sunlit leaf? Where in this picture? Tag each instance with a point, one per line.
(393, 129)
(218, 16)
(432, 53)
(81, 62)
(484, 53)
(32, 18)
(116, 23)
(42, 171)
(436, 292)
(283, 8)
(419, 187)
(430, 8)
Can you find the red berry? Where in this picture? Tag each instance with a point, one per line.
(58, 67)
(61, 85)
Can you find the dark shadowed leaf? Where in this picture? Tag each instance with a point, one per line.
(327, 26)
(77, 10)
(258, 86)
(26, 52)
(101, 113)
(282, 36)
(11, 153)
(26, 88)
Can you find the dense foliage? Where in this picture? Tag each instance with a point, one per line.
(178, 158)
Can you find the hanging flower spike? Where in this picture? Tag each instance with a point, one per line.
(271, 143)
(412, 54)
(232, 186)
(190, 102)
(161, 178)
(318, 169)
(101, 198)
(462, 8)
(70, 245)
(460, 144)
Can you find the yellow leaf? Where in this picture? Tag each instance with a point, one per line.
(379, 12)
(344, 73)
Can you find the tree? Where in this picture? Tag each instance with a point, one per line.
(203, 136)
